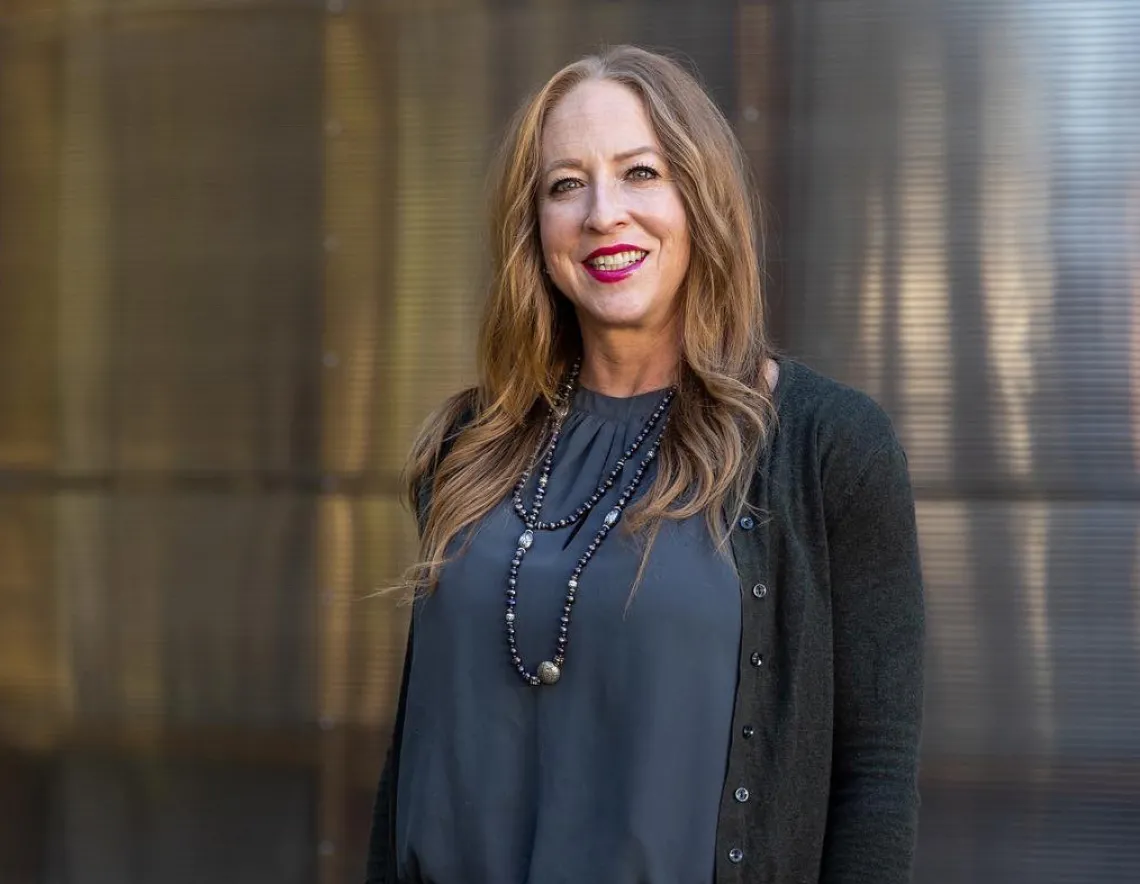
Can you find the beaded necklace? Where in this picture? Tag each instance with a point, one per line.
(550, 671)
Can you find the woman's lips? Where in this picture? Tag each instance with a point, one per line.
(614, 274)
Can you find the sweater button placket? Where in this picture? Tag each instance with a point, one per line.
(759, 591)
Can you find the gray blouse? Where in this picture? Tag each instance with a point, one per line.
(613, 774)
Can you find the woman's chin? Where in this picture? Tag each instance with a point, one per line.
(621, 315)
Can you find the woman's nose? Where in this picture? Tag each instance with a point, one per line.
(607, 208)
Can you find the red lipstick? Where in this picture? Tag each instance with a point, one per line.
(618, 274)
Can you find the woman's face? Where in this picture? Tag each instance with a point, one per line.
(615, 238)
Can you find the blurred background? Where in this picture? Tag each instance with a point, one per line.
(241, 256)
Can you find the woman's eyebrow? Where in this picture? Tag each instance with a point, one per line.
(577, 164)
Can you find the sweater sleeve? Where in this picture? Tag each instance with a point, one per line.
(381, 866)
(878, 624)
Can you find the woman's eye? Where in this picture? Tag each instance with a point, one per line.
(643, 173)
(562, 185)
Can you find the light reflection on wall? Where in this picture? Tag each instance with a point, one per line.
(1033, 538)
(872, 339)
(1017, 276)
(924, 365)
(356, 175)
(443, 137)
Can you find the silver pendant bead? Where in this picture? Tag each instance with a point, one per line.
(548, 673)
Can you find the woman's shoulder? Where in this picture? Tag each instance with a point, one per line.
(813, 394)
(842, 424)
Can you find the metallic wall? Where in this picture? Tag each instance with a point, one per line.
(241, 256)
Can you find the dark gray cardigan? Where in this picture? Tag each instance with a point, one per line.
(821, 784)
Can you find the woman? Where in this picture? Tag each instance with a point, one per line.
(668, 627)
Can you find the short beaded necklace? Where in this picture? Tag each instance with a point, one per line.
(550, 671)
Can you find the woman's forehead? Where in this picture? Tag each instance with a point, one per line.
(597, 119)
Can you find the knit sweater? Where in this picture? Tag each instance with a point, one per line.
(821, 778)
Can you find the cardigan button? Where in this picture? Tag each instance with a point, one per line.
(759, 590)
(748, 731)
(747, 523)
(756, 659)
(741, 794)
(735, 855)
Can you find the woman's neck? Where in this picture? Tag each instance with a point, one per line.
(628, 365)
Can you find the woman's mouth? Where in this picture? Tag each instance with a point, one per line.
(607, 265)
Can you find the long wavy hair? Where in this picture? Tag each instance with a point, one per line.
(472, 449)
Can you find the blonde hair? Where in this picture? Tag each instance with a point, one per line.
(529, 336)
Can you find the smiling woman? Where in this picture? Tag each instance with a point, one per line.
(668, 614)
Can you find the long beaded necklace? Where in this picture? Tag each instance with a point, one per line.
(531, 518)
(550, 671)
